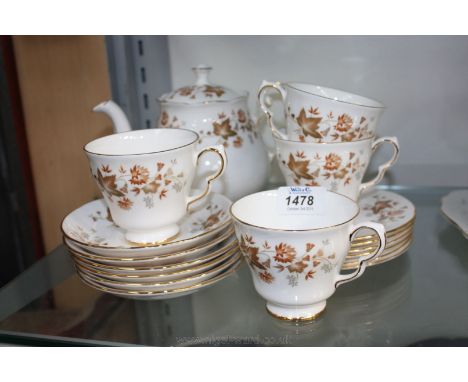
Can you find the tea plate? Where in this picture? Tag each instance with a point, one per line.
(159, 260)
(387, 255)
(166, 294)
(158, 277)
(388, 208)
(374, 242)
(134, 270)
(91, 228)
(455, 209)
(353, 252)
(162, 286)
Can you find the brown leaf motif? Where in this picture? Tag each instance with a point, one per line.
(223, 129)
(164, 120)
(297, 267)
(210, 90)
(300, 168)
(380, 205)
(108, 184)
(309, 126)
(241, 116)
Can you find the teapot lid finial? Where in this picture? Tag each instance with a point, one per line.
(201, 72)
(202, 92)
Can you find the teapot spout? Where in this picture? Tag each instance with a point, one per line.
(116, 114)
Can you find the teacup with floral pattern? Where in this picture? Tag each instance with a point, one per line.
(320, 114)
(338, 166)
(145, 177)
(295, 260)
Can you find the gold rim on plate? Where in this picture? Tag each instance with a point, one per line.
(219, 259)
(389, 245)
(150, 245)
(386, 252)
(227, 263)
(381, 259)
(389, 233)
(169, 267)
(221, 237)
(168, 292)
(375, 242)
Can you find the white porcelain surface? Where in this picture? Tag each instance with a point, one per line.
(166, 285)
(172, 263)
(166, 294)
(385, 207)
(339, 167)
(220, 120)
(159, 276)
(455, 209)
(146, 176)
(295, 260)
(91, 227)
(319, 114)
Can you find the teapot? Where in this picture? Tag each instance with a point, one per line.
(220, 116)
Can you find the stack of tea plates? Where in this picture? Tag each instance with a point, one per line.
(396, 213)
(204, 252)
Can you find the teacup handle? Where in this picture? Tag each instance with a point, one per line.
(264, 104)
(219, 150)
(379, 229)
(383, 167)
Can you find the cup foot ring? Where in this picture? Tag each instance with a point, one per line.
(159, 236)
(296, 314)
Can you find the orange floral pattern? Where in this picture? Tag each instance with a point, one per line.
(232, 130)
(126, 185)
(313, 123)
(310, 171)
(194, 92)
(384, 209)
(268, 261)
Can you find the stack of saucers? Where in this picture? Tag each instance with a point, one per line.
(396, 213)
(204, 252)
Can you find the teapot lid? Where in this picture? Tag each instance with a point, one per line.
(201, 92)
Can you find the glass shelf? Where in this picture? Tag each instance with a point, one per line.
(419, 298)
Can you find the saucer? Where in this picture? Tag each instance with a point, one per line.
(455, 209)
(159, 276)
(166, 294)
(91, 228)
(134, 269)
(387, 255)
(162, 286)
(155, 260)
(385, 207)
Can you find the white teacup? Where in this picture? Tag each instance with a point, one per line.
(319, 114)
(338, 166)
(295, 260)
(146, 176)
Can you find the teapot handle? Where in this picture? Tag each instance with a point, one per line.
(265, 104)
